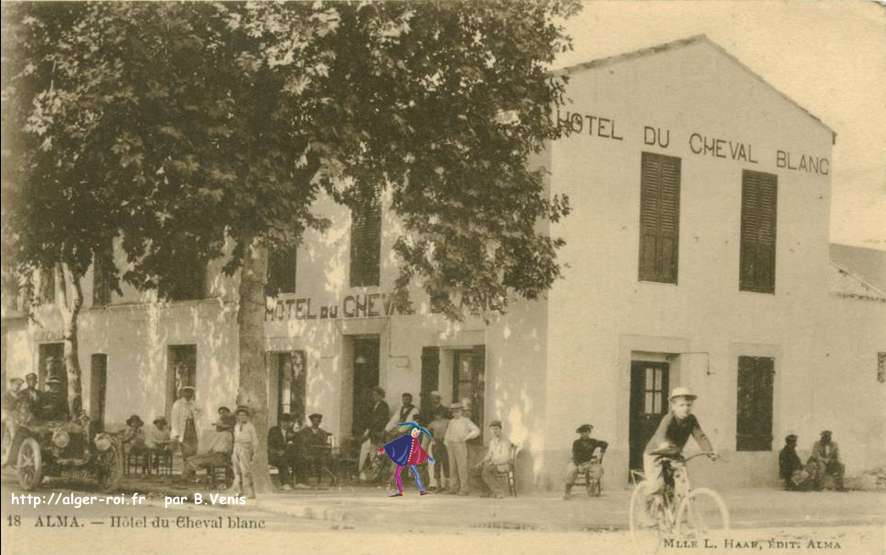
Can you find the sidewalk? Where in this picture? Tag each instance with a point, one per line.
(755, 508)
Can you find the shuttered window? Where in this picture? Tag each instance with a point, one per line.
(365, 245)
(281, 271)
(659, 218)
(759, 203)
(754, 414)
(101, 279)
(430, 376)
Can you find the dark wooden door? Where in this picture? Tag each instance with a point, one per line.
(649, 403)
(430, 376)
(366, 366)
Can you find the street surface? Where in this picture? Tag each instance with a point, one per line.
(363, 520)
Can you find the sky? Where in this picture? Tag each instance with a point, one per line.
(830, 57)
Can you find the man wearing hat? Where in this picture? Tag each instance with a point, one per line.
(492, 470)
(406, 413)
(11, 404)
(184, 422)
(315, 442)
(583, 450)
(789, 462)
(134, 435)
(374, 431)
(825, 461)
(439, 422)
(53, 405)
(245, 447)
(671, 436)
(220, 446)
(460, 430)
(31, 394)
(282, 449)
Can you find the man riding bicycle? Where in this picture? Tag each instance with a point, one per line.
(671, 436)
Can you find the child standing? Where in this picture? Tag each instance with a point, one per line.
(245, 448)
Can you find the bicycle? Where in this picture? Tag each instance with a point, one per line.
(683, 516)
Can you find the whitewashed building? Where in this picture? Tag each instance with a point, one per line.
(697, 255)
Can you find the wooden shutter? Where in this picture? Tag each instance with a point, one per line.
(281, 271)
(659, 218)
(755, 404)
(478, 379)
(366, 245)
(430, 376)
(759, 207)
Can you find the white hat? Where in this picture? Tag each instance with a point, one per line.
(682, 392)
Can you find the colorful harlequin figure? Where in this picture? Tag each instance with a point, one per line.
(405, 451)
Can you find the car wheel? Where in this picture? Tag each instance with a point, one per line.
(29, 464)
(110, 468)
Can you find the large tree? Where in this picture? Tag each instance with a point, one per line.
(225, 122)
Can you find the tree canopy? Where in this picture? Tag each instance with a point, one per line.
(183, 127)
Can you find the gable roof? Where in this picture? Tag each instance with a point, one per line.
(868, 265)
(681, 43)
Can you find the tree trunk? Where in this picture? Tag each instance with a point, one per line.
(69, 300)
(253, 391)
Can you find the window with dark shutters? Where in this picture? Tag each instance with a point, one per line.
(759, 204)
(101, 280)
(754, 409)
(365, 245)
(659, 218)
(282, 265)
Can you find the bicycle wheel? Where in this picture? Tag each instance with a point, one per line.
(703, 515)
(645, 532)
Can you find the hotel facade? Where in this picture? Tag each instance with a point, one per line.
(697, 254)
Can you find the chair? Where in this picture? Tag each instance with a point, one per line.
(591, 476)
(511, 474)
(159, 462)
(319, 459)
(220, 474)
(135, 460)
(344, 460)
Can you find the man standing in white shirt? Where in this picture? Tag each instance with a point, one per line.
(494, 467)
(184, 422)
(458, 433)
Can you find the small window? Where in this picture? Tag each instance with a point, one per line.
(366, 245)
(281, 271)
(468, 382)
(653, 392)
(659, 218)
(881, 367)
(101, 282)
(754, 409)
(759, 206)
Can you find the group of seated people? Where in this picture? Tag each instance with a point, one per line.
(823, 462)
(298, 451)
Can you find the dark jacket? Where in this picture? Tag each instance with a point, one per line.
(276, 441)
(377, 421)
(788, 462)
(583, 449)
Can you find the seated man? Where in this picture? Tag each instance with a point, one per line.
(134, 435)
(789, 463)
(492, 470)
(219, 454)
(583, 450)
(157, 436)
(825, 461)
(281, 449)
(314, 441)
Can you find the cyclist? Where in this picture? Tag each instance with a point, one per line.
(671, 436)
